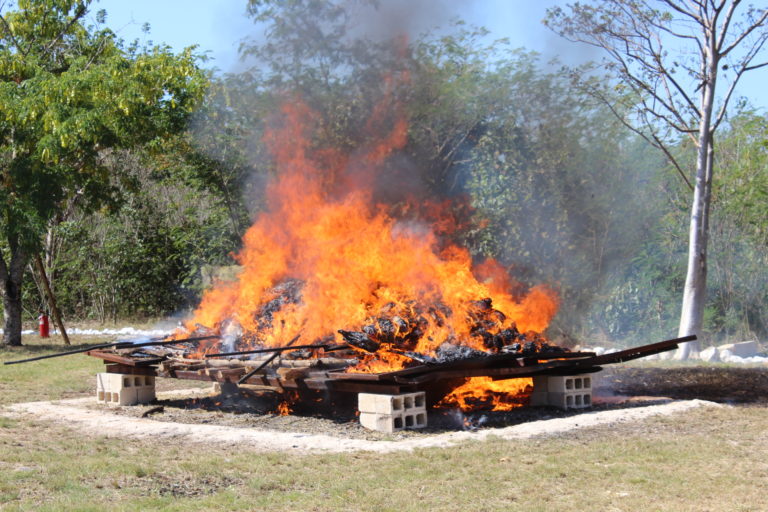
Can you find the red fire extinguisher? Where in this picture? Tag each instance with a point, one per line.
(44, 327)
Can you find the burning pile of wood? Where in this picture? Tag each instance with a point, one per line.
(287, 369)
(401, 329)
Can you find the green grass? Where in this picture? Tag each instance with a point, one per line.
(707, 459)
(48, 379)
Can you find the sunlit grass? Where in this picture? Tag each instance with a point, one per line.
(707, 459)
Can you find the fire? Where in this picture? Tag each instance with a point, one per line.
(326, 257)
(484, 393)
(284, 408)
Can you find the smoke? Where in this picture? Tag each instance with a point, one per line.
(567, 225)
(392, 19)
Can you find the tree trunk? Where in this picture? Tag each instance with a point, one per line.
(11, 277)
(695, 291)
(12, 313)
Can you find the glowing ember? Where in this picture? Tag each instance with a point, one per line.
(484, 393)
(284, 409)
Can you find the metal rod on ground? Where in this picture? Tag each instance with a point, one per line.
(276, 349)
(128, 344)
(118, 344)
(269, 360)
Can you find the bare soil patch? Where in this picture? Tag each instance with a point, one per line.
(619, 390)
(104, 421)
(722, 384)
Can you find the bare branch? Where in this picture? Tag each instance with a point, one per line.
(724, 26)
(744, 68)
(756, 66)
(653, 140)
(660, 145)
(641, 85)
(759, 23)
(695, 17)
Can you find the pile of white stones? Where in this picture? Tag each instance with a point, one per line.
(739, 353)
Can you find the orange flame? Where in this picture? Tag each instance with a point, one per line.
(485, 393)
(324, 256)
(284, 409)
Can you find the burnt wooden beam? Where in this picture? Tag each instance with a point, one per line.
(124, 360)
(256, 370)
(286, 348)
(130, 370)
(117, 344)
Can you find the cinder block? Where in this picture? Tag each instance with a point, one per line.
(382, 422)
(415, 419)
(568, 384)
(566, 391)
(145, 395)
(121, 389)
(577, 400)
(539, 398)
(125, 396)
(391, 404)
(394, 422)
(109, 381)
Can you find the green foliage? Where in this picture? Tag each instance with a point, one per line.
(69, 93)
(739, 241)
(560, 191)
(143, 260)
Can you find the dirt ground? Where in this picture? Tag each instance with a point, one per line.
(617, 387)
(722, 384)
(621, 393)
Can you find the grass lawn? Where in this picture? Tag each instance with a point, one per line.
(709, 459)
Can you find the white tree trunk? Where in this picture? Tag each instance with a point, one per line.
(695, 290)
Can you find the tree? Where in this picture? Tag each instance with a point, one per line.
(671, 56)
(69, 94)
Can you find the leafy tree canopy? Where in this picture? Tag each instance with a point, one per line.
(69, 93)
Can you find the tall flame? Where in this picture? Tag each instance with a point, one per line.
(324, 256)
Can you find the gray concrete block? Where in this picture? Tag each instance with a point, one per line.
(575, 400)
(123, 389)
(391, 404)
(382, 422)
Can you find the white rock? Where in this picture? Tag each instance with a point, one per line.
(665, 356)
(743, 349)
(710, 355)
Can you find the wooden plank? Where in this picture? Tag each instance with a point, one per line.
(367, 387)
(192, 375)
(486, 362)
(128, 361)
(129, 370)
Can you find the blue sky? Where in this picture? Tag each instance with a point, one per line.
(218, 26)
